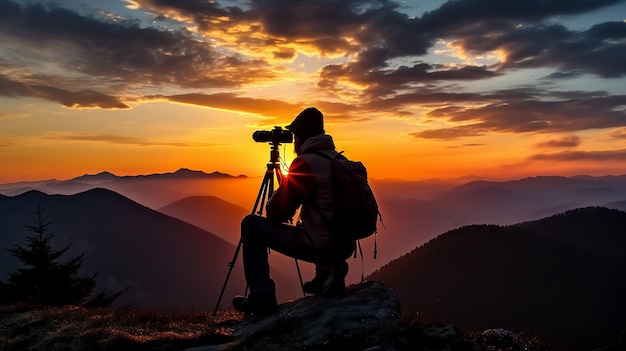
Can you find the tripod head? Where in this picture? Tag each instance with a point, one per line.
(274, 153)
(275, 137)
(267, 185)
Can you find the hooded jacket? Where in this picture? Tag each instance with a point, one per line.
(309, 184)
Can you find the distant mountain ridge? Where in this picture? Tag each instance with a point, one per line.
(178, 174)
(95, 178)
(152, 190)
(49, 185)
(560, 277)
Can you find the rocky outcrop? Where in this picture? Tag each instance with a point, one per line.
(364, 317)
(358, 314)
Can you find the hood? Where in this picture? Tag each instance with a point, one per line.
(318, 142)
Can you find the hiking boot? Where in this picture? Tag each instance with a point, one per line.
(255, 304)
(329, 280)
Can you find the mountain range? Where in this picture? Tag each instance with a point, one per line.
(560, 277)
(170, 236)
(152, 190)
(413, 212)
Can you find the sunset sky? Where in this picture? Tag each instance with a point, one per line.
(414, 89)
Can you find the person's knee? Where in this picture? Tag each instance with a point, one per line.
(247, 226)
(250, 227)
(246, 222)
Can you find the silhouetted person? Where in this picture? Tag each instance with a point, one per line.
(309, 185)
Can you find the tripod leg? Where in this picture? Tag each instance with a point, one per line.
(231, 265)
(261, 195)
(300, 276)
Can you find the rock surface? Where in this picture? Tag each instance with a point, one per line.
(360, 312)
(319, 322)
(364, 317)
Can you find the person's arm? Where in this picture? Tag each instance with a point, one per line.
(292, 191)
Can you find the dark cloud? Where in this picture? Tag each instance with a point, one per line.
(567, 141)
(121, 53)
(563, 75)
(515, 28)
(390, 81)
(326, 25)
(599, 50)
(385, 53)
(201, 10)
(453, 15)
(85, 98)
(575, 156)
(511, 112)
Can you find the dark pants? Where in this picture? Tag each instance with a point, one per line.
(258, 234)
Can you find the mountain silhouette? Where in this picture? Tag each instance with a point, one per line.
(95, 178)
(560, 277)
(152, 190)
(165, 261)
(413, 211)
(182, 173)
(411, 221)
(210, 213)
(159, 190)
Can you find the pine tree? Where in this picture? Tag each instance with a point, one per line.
(45, 279)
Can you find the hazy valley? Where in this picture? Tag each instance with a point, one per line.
(170, 237)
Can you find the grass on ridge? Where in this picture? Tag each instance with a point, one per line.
(75, 328)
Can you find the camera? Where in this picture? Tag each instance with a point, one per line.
(274, 136)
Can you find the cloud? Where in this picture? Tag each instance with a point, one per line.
(597, 51)
(118, 139)
(385, 65)
(480, 27)
(120, 54)
(231, 101)
(618, 133)
(275, 111)
(376, 31)
(576, 156)
(327, 26)
(567, 141)
(521, 111)
(390, 81)
(86, 98)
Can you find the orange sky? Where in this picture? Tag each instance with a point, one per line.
(442, 90)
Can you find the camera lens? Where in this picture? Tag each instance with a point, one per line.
(275, 136)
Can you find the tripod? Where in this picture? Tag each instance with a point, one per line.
(265, 193)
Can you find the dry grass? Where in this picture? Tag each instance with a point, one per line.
(74, 328)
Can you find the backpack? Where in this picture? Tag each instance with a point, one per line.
(356, 210)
